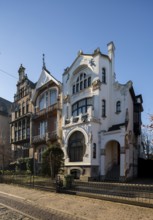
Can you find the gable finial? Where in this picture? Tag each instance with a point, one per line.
(44, 66)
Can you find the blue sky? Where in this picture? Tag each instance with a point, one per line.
(60, 28)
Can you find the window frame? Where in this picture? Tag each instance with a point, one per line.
(82, 82)
(118, 106)
(103, 108)
(81, 106)
(104, 75)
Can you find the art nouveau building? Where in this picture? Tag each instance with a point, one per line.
(22, 110)
(46, 120)
(101, 119)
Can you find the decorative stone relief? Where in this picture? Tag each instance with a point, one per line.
(96, 84)
(66, 99)
(92, 63)
(90, 137)
(130, 136)
(84, 127)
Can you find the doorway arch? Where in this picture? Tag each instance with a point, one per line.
(112, 159)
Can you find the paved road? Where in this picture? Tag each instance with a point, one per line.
(9, 213)
(15, 208)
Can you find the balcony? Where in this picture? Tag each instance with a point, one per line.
(82, 118)
(48, 136)
(38, 139)
(45, 111)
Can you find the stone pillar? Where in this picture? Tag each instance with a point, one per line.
(102, 164)
(122, 163)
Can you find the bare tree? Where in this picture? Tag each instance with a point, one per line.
(147, 138)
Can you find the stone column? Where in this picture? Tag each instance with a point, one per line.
(102, 164)
(122, 163)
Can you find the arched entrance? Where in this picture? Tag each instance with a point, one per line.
(112, 160)
(76, 147)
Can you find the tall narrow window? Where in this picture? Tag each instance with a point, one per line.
(16, 113)
(53, 96)
(40, 153)
(89, 81)
(27, 106)
(94, 151)
(73, 89)
(103, 108)
(103, 75)
(23, 108)
(42, 102)
(118, 107)
(47, 99)
(43, 128)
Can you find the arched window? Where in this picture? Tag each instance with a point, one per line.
(103, 108)
(94, 151)
(76, 147)
(103, 75)
(83, 81)
(118, 107)
(81, 106)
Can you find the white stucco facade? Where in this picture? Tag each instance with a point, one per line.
(99, 135)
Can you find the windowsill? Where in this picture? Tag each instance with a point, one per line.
(118, 112)
(104, 116)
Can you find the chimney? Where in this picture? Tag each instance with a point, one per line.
(111, 50)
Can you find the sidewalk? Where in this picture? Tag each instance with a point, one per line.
(79, 206)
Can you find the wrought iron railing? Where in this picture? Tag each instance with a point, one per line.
(45, 137)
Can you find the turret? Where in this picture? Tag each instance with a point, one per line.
(21, 72)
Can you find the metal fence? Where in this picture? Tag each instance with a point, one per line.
(40, 182)
(136, 194)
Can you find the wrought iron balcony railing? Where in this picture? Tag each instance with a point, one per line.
(48, 136)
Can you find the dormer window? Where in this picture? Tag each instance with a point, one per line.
(103, 75)
(48, 98)
(83, 81)
(118, 107)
